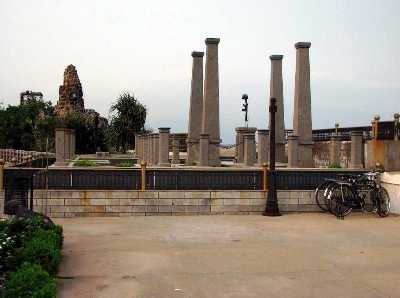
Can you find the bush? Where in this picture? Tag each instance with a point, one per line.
(334, 166)
(126, 164)
(30, 281)
(85, 163)
(43, 250)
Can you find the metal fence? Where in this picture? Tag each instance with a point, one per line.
(204, 180)
(169, 179)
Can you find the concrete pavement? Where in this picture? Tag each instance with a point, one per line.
(296, 255)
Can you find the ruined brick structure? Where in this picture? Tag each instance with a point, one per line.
(70, 93)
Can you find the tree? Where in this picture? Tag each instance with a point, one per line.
(128, 119)
(90, 134)
(27, 126)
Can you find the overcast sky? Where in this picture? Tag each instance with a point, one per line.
(145, 47)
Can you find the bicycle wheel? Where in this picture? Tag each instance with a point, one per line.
(320, 195)
(367, 196)
(339, 200)
(384, 202)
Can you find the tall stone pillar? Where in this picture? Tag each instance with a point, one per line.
(302, 121)
(196, 109)
(175, 151)
(240, 132)
(263, 146)
(163, 144)
(249, 149)
(293, 151)
(334, 150)
(276, 91)
(204, 146)
(357, 150)
(210, 120)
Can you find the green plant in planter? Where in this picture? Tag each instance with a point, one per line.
(334, 166)
(125, 164)
(30, 281)
(85, 163)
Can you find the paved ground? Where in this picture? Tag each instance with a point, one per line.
(298, 255)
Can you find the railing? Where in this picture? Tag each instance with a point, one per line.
(170, 179)
(204, 180)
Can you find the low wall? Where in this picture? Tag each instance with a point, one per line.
(72, 203)
(391, 181)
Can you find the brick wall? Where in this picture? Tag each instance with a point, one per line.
(71, 203)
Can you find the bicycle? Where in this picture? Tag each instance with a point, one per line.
(363, 193)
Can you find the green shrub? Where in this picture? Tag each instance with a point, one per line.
(30, 281)
(42, 250)
(334, 166)
(125, 164)
(85, 163)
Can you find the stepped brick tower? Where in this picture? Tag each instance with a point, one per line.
(70, 93)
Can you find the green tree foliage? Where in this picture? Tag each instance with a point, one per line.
(90, 133)
(128, 118)
(27, 126)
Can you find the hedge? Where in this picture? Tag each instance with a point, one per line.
(30, 254)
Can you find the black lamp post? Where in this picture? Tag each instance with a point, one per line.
(271, 208)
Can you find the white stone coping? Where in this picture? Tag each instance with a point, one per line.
(391, 178)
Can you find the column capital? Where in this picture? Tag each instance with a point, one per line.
(356, 133)
(212, 41)
(197, 54)
(302, 45)
(249, 136)
(164, 129)
(276, 57)
(263, 131)
(204, 136)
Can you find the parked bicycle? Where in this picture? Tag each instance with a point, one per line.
(350, 192)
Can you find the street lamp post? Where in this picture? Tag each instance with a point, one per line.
(271, 208)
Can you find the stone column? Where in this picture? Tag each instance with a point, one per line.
(72, 144)
(263, 146)
(146, 148)
(293, 151)
(175, 151)
(240, 132)
(357, 150)
(302, 120)
(67, 142)
(163, 145)
(151, 149)
(210, 119)
(249, 149)
(334, 150)
(276, 91)
(155, 148)
(61, 158)
(204, 146)
(137, 146)
(196, 109)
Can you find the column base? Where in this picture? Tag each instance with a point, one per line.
(305, 155)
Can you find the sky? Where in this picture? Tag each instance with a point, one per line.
(144, 47)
